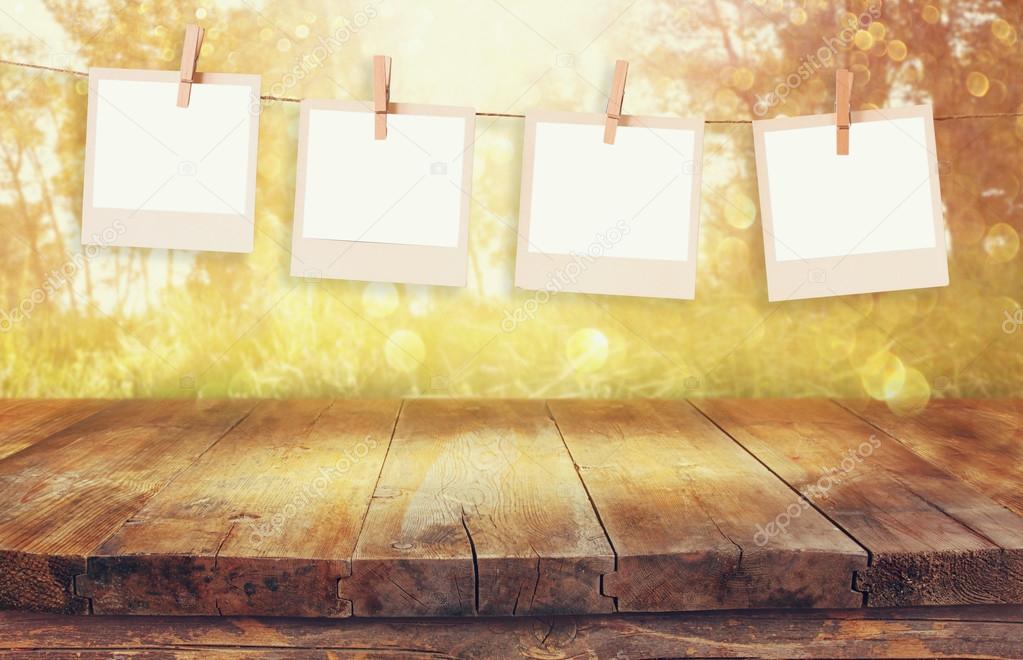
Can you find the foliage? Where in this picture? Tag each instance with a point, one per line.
(155, 323)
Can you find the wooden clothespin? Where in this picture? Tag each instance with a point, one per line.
(843, 103)
(381, 93)
(614, 101)
(189, 60)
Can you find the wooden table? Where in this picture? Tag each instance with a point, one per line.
(932, 632)
(473, 508)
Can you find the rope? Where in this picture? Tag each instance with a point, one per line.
(511, 115)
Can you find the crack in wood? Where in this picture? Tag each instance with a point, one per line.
(358, 535)
(173, 477)
(939, 573)
(220, 546)
(401, 588)
(794, 489)
(593, 505)
(693, 491)
(536, 584)
(475, 564)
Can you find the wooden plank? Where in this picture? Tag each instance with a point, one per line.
(933, 539)
(23, 422)
(865, 633)
(64, 495)
(478, 510)
(265, 522)
(979, 441)
(684, 507)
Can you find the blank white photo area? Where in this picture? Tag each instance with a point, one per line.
(161, 176)
(617, 219)
(864, 222)
(393, 209)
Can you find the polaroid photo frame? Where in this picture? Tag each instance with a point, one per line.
(391, 210)
(616, 219)
(160, 176)
(864, 222)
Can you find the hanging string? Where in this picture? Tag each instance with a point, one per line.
(510, 115)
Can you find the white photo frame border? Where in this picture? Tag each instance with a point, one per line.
(175, 230)
(853, 273)
(618, 276)
(315, 258)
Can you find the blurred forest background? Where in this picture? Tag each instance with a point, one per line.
(152, 323)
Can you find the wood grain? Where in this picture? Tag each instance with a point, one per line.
(684, 505)
(67, 493)
(478, 511)
(264, 522)
(304, 509)
(25, 422)
(933, 539)
(990, 632)
(979, 441)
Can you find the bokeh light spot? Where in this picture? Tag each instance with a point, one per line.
(977, 84)
(913, 396)
(742, 78)
(1000, 28)
(404, 351)
(587, 350)
(882, 375)
(863, 40)
(897, 50)
(1001, 242)
(740, 209)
